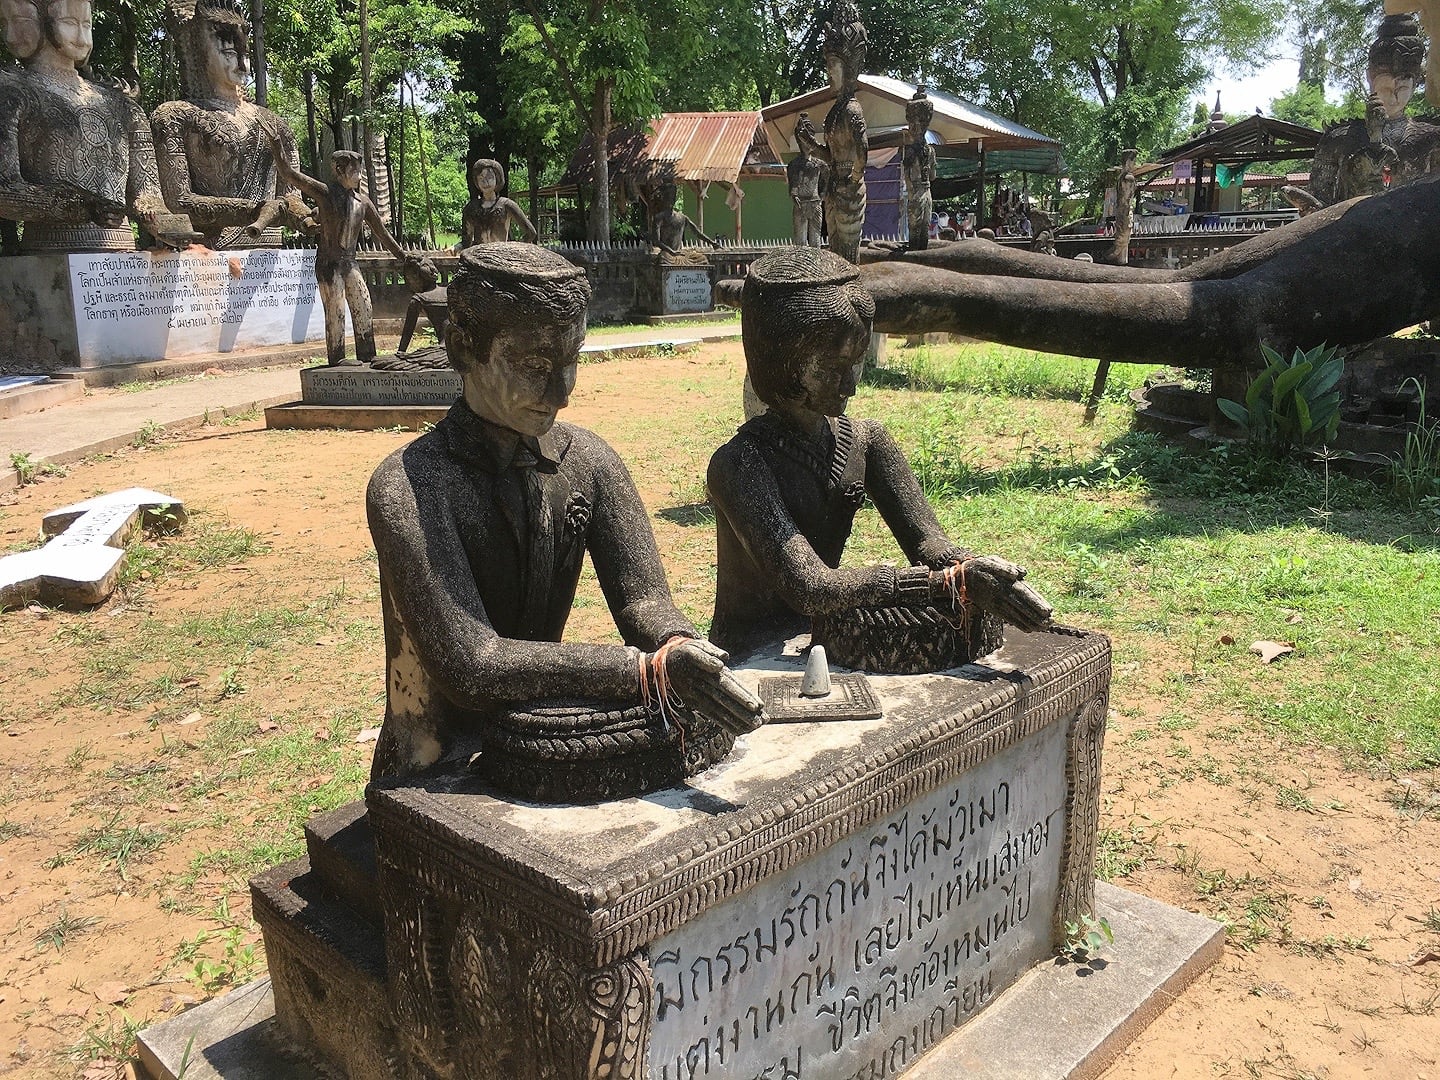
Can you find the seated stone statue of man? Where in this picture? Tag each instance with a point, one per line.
(482, 523)
(787, 487)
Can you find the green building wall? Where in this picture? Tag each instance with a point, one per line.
(765, 214)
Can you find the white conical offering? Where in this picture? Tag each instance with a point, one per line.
(816, 681)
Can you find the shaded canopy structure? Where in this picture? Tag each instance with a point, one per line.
(1223, 153)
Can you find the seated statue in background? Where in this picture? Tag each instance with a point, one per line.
(787, 487)
(668, 225)
(20, 24)
(213, 149)
(1387, 148)
(75, 157)
(481, 526)
(488, 215)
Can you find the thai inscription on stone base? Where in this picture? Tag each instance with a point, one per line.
(363, 386)
(146, 306)
(686, 290)
(864, 956)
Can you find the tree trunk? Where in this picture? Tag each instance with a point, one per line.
(399, 229)
(312, 136)
(532, 166)
(424, 165)
(599, 225)
(1124, 209)
(257, 26)
(366, 101)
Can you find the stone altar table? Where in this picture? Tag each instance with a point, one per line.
(833, 900)
(844, 893)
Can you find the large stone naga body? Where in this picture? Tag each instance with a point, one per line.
(75, 156)
(213, 148)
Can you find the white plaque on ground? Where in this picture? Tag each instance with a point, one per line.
(140, 306)
(687, 289)
(870, 952)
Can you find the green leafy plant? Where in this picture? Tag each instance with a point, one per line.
(1414, 474)
(1085, 939)
(1292, 404)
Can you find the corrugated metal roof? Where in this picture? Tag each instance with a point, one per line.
(703, 146)
(700, 147)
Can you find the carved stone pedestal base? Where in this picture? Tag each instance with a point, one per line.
(842, 894)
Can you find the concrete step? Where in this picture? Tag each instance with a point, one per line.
(20, 398)
(291, 905)
(342, 859)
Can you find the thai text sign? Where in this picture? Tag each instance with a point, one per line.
(140, 306)
(864, 956)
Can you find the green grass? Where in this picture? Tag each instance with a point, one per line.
(1168, 550)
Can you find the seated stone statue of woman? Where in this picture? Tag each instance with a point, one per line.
(787, 487)
(481, 526)
(488, 215)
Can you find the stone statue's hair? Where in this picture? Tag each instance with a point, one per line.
(185, 22)
(494, 166)
(919, 109)
(345, 158)
(1398, 47)
(507, 286)
(845, 35)
(788, 293)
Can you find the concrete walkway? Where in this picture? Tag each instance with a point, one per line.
(105, 420)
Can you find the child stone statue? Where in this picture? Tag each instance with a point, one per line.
(481, 526)
(343, 210)
(787, 487)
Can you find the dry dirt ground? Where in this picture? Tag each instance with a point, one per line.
(156, 751)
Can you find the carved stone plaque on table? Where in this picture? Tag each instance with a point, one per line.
(687, 289)
(875, 949)
(345, 385)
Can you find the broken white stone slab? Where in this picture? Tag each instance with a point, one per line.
(82, 562)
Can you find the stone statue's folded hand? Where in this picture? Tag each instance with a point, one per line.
(996, 585)
(696, 669)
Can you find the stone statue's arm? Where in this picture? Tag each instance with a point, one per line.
(622, 547)
(528, 232)
(467, 226)
(434, 593)
(689, 224)
(893, 488)
(995, 584)
(817, 148)
(289, 173)
(143, 191)
(742, 487)
(380, 232)
(930, 166)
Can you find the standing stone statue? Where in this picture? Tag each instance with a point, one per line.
(20, 23)
(1387, 148)
(787, 487)
(919, 169)
(481, 526)
(488, 215)
(847, 144)
(213, 149)
(343, 210)
(668, 225)
(75, 157)
(809, 178)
